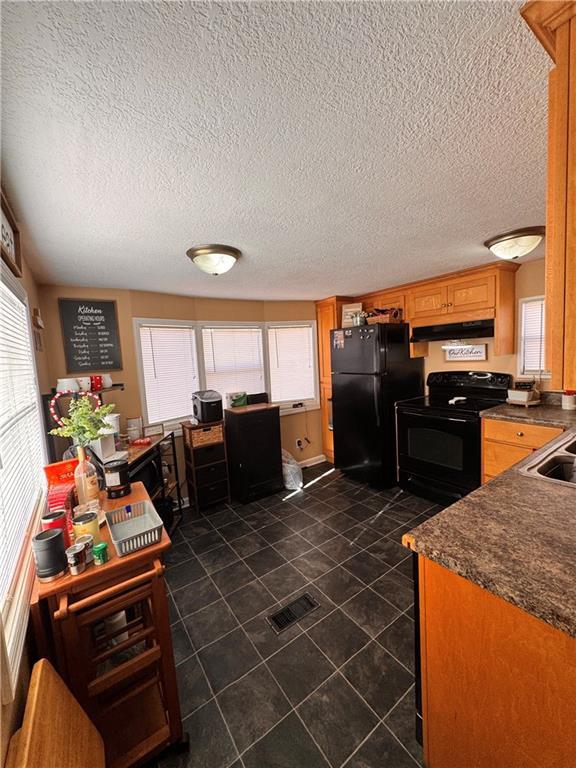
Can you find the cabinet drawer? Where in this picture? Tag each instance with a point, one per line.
(207, 435)
(211, 474)
(499, 456)
(209, 454)
(210, 494)
(519, 433)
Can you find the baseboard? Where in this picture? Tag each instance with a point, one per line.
(312, 461)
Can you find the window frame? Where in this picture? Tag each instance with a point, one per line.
(137, 324)
(15, 610)
(286, 407)
(521, 374)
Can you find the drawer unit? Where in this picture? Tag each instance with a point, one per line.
(211, 474)
(519, 433)
(206, 464)
(505, 443)
(209, 454)
(212, 494)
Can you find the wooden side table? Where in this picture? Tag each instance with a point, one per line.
(107, 632)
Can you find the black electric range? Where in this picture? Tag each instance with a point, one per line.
(439, 435)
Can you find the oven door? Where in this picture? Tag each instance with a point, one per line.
(444, 448)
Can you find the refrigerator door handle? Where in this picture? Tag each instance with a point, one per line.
(377, 401)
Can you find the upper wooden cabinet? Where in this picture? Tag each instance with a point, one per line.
(554, 24)
(328, 317)
(432, 303)
(429, 301)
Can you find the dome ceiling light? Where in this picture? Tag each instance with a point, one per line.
(519, 242)
(214, 259)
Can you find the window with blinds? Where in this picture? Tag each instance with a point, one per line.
(169, 369)
(532, 335)
(22, 454)
(292, 366)
(233, 359)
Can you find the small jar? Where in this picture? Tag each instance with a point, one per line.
(87, 523)
(76, 556)
(88, 541)
(100, 553)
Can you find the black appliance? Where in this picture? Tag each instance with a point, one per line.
(439, 435)
(473, 329)
(371, 370)
(207, 406)
(254, 451)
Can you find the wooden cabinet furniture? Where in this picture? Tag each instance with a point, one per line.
(485, 293)
(254, 451)
(328, 317)
(107, 632)
(504, 443)
(427, 302)
(497, 683)
(206, 464)
(554, 24)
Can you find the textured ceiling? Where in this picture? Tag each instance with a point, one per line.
(342, 146)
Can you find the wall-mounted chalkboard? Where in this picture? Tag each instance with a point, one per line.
(90, 333)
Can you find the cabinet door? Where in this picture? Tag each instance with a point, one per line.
(475, 293)
(326, 318)
(326, 409)
(498, 457)
(429, 301)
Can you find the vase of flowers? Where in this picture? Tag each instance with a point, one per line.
(84, 424)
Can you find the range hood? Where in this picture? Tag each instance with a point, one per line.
(475, 329)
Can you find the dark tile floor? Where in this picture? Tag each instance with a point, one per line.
(335, 690)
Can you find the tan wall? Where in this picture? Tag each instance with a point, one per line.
(529, 282)
(131, 304)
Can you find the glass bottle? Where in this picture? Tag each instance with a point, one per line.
(85, 478)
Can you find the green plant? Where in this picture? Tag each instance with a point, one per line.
(83, 422)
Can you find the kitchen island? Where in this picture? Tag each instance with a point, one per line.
(497, 617)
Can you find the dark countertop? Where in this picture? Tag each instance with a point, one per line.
(515, 537)
(546, 415)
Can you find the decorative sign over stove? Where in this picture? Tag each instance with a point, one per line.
(453, 353)
(90, 333)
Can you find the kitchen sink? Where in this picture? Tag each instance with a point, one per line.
(558, 465)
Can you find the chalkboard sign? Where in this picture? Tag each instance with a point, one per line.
(90, 333)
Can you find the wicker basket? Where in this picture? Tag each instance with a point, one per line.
(134, 527)
(207, 435)
(394, 316)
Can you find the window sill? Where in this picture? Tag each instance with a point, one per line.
(15, 612)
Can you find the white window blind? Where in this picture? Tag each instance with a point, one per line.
(291, 356)
(233, 359)
(169, 370)
(22, 454)
(532, 352)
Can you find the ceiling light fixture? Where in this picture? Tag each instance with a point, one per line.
(214, 259)
(519, 242)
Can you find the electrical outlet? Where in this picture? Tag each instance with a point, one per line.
(299, 444)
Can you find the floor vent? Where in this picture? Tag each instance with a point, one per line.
(292, 612)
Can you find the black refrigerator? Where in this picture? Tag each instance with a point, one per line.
(371, 370)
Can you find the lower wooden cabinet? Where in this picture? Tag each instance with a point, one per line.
(326, 410)
(505, 443)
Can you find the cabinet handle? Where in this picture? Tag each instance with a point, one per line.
(520, 434)
(442, 306)
(449, 303)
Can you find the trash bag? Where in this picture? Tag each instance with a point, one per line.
(291, 472)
